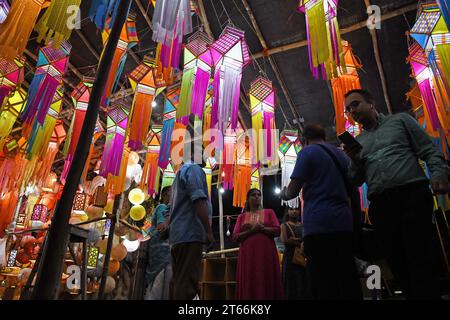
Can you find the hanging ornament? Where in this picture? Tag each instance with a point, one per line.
(136, 196)
(198, 62)
(170, 109)
(116, 123)
(128, 39)
(242, 172)
(255, 179)
(230, 55)
(171, 21)
(432, 34)
(40, 135)
(262, 104)
(51, 66)
(80, 97)
(17, 28)
(347, 79)
(324, 40)
(290, 146)
(98, 132)
(444, 5)
(147, 83)
(151, 171)
(228, 226)
(58, 21)
(228, 158)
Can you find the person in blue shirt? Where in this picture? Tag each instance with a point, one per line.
(327, 217)
(159, 270)
(190, 228)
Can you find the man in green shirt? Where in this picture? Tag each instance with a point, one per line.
(401, 202)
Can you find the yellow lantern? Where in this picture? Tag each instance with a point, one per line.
(136, 196)
(137, 212)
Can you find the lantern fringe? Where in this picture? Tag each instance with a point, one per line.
(140, 120)
(184, 106)
(17, 28)
(427, 96)
(287, 167)
(40, 97)
(443, 52)
(242, 182)
(8, 203)
(101, 10)
(340, 86)
(112, 155)
(114, 74)
(8, 114)
(46, 164)
(317, 34)
(166, 139)
(150, 173)
(228, 165)
(199, 91)
(175, 143)
(40, 137)
(229, 94)
(54, 24)
(116, 184)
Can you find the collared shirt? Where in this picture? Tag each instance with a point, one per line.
(391, 152)
(189, 185)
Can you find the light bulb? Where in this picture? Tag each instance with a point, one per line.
(154, 104)
(222, 190)
(277, 190)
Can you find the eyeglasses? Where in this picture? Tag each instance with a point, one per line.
(353, 105)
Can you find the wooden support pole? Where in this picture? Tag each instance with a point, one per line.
(376, 52)
(47, 284)
(117, 204)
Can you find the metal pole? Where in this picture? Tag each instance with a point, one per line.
(117, 205)
(222, 244)
(48, 283)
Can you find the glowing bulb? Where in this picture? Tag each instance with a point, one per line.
(154, 104)
(222, 190)
(277, 190)
(223, 174)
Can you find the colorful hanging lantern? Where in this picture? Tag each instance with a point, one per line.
(58, 21)
(422, 73)
(230, 55)
(80, 202)
(170, 110)
(242, 171)
(347, 79)
(151, 172)
(262, 103)
(128, 39)
(117, 122)
(80, 97)
(40, 135)
(51, 66)
(4, 10)
(101, 10)
(171, 21)
(147, 83)
(11, 76)
(198, 62)
(432, 34)
(17, 28)
(228, 158)
(290, 146)
(9, 112)
(93, 255)
(255, 179)
(98, 132)
(40, 213)
(324, 40)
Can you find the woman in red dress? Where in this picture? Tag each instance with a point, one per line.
(258, 268)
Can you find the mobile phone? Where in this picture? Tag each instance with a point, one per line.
(349, 141)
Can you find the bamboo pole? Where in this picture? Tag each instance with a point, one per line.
(376, 52)
(48, 283)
